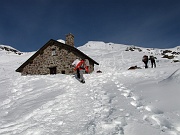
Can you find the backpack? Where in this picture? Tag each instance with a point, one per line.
(83, 65)
(145, 58)
(87, 65)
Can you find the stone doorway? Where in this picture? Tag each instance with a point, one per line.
(53, 70)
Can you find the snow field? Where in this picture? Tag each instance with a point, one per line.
(115, 102)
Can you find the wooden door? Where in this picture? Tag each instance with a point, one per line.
(52, 70)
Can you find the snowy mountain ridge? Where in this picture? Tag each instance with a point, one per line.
(112, 46)
(103, 45)
(100, 48)
(9, 49)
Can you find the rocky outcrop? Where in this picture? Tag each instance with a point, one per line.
(10, 49)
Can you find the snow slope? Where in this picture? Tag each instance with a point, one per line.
(115, 102)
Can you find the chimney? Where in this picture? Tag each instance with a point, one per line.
(70, 39)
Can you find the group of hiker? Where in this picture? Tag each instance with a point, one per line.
(145, 59)
(82, 66)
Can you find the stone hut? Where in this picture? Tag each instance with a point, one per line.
(55, 58)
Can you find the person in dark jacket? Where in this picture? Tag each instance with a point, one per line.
(145, 60)
(153, 62)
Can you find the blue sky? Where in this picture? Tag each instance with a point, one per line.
(28, 24)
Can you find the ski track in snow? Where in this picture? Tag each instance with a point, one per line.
(155, 116)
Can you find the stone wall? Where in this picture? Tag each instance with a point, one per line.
(56, 56)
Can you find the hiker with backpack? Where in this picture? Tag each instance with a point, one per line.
(145, 60)
(153, 62)
(81, 68)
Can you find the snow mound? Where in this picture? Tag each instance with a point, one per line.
(173, 78)
(61, 41)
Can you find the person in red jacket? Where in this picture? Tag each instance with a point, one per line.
(80, 67)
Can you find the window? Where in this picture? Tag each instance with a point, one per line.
(63, 72)
(53, 52)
